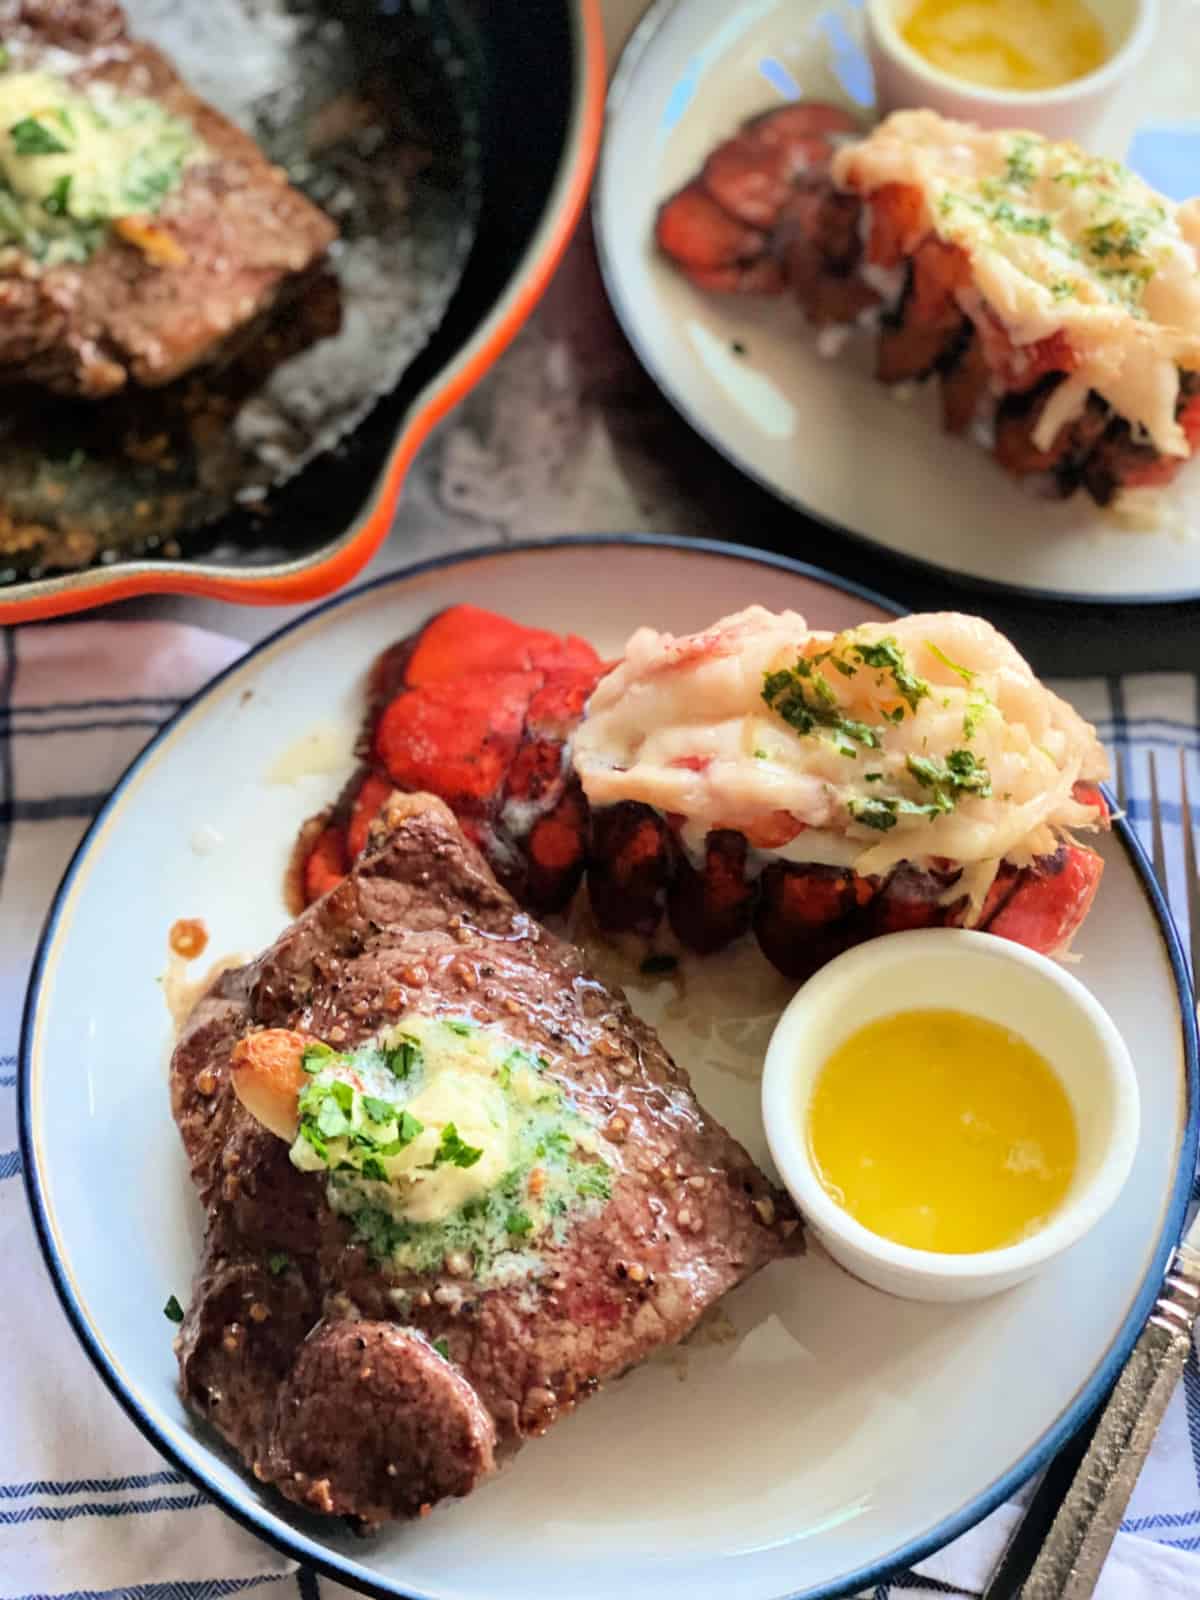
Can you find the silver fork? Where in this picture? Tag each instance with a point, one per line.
(1060, 1559)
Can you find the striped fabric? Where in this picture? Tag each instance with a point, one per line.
(87, 1509)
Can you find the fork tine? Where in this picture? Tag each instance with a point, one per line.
(1160, 854)
(1189, 867)
(1119, 773)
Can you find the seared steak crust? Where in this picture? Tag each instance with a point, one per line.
(241, 235)
(315, 1364)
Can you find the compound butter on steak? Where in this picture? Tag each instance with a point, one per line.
(453, 1185)
(142, 234)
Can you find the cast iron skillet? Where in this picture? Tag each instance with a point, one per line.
(533, 88)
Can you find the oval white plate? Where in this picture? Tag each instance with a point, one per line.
(837, 1431)
(822, 434)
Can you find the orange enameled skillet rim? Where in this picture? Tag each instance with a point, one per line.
(313, 576)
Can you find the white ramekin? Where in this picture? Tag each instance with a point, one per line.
(986, 977)
(905, 79)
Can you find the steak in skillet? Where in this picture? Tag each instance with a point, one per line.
(369, 1366)
(198, 235)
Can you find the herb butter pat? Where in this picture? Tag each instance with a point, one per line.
(75, 160)
(442, 1137)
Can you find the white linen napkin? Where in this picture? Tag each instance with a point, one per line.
(86, 1505)
(87, 1508)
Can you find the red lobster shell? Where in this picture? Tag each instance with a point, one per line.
(480, 711)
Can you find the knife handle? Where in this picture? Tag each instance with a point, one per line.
(1068, 1565)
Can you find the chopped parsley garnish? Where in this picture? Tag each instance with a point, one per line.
(314, 1096)
(883, 811)
(516, 1059)
(149, 180)
(33, 138)
(658, 963)
(968, 772)
(453, 1150)
(760, 755)
(806, 700)
(463, 1029)
(519, 1223)
(787, 692)
(557, 1142)
(278, 1262)
(308, 1132)
(946, 782)
(886, 656)
(1062, 289)
(1115, 238)
(1019, 167)
(1006, 215)
(378, 1110)
(173, 1311)
(316, 1055)
(403, 1059)
(877, 813)
(962, 672)
(960, 773)
(873, 777)
(56, 202)
(1125, 284)
(594, 1181)
(410, 1127)
(374, 1127)
(4, 58)
(332, 1121)
(977, 707)
(442, 1346)
(333, 1108)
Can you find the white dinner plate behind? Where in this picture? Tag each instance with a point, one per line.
(821, 433)
(837, 1428)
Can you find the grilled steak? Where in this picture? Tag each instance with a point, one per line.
(167, 265)
(367, 1381)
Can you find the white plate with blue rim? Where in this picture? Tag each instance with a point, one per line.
(819, 1433)
(746, 372)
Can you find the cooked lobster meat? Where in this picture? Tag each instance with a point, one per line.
(452, 1185)
(815, 789)
(1053, 293)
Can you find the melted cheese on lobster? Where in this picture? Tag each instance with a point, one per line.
(1058, 241)
(925, 737)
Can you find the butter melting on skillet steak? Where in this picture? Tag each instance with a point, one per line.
(241, 238)
(318, 1366)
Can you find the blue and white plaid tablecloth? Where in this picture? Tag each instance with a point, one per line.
(87, 1508)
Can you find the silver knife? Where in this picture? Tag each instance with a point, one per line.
(1068, 1565)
